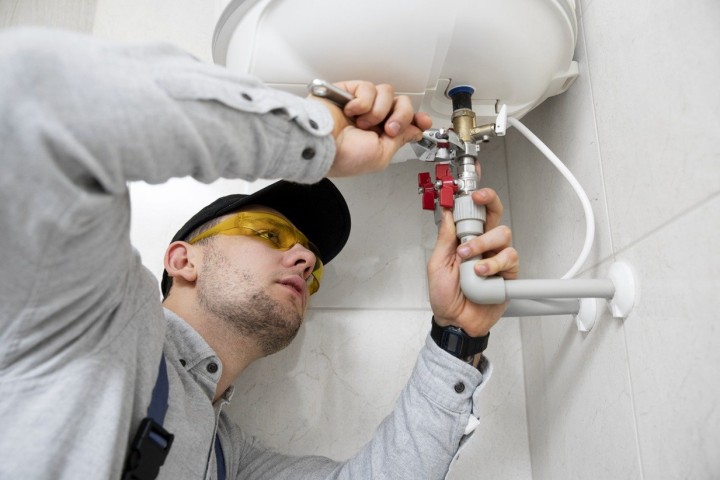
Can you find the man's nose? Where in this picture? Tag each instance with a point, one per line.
(303, 256)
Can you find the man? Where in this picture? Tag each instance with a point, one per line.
(82, 331)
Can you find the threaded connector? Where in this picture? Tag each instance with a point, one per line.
(469, 217)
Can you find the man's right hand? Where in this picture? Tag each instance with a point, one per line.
(494, 255)
(372, 127)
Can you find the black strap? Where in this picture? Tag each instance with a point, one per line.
(456, 342)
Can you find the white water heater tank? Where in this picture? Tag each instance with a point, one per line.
(512, 52)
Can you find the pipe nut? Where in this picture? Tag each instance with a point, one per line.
(466, 209)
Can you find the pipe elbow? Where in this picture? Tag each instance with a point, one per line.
(481, 290)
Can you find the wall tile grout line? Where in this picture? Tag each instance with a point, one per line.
(613, 253)
(709, 199)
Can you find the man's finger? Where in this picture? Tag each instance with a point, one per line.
(496, 239)
(382, 106)
(400, 118)
(446, 241)
(364, 93)
(493, 206)
(505, 264)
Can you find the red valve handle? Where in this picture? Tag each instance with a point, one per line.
(448, 188)
(446, 193)
(428, 191)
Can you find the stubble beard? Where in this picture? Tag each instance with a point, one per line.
(236, 298)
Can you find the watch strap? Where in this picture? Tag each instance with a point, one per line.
(456, 342)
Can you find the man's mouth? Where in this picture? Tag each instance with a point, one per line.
(295, 283)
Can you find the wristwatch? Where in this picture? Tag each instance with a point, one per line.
(456, 342)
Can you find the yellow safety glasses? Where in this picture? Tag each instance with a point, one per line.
(274, 230)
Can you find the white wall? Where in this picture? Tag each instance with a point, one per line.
(633, 399)
(639, 398)
(77, 15)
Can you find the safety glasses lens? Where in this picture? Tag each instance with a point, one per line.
(275, 231)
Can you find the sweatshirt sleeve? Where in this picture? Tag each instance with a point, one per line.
(79, 119)
(111, 113)
(435, 414)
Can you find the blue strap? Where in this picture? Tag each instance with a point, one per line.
(151, 444)
(159, 404)
(219, 458)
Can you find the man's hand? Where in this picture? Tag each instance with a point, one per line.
(448, 303)
(372, 127)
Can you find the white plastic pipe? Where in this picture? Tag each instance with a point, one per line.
(481, 290)
(493, 290)
(589, 217)
(532, 308)
(569, 288)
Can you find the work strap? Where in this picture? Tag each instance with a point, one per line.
(152, 442)
(219, 458)
(159, 402)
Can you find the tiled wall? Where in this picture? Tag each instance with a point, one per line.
(632, 399)
(635, 398)
(77, 15)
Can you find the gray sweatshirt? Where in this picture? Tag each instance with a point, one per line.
(82, 328)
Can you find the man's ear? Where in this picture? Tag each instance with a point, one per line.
(180, 263)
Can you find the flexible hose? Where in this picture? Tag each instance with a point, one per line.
(589, 217)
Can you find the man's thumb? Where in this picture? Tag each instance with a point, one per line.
(446, 239)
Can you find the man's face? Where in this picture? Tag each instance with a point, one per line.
(259, 290)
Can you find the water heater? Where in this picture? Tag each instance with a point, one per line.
(513, 52)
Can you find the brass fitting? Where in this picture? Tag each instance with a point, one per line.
(463, 120)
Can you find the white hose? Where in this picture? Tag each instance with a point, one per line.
(589, 217)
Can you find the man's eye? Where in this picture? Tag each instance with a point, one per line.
(270, 235)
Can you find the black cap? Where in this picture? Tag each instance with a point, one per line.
(318, 210)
